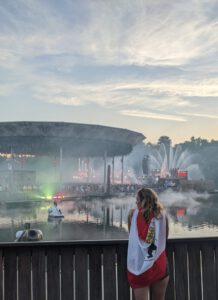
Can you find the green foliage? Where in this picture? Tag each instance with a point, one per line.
(195, 144)
(164, 140)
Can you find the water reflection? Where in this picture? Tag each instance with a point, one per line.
(190, 215)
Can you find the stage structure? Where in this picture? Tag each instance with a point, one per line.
(60, 139)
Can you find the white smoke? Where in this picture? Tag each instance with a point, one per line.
(194, 172)
(170, 198)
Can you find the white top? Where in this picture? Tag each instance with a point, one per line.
(140, 258)
(54, 211)
(19, 234)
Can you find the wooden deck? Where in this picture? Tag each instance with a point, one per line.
(97, 270)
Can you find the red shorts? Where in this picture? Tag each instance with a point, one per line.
(158, 271)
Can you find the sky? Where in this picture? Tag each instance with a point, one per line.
(148, 66)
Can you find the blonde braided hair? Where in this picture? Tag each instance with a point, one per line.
(149, 203)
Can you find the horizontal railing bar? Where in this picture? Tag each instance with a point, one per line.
(101, 242)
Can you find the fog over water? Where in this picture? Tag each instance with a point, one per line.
(190, 214)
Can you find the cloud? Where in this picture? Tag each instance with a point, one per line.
(200, 115)
(7, 89)
(115, 93)
(8, 59)
(183, 87)
(148, 59)
(152, 115)
(157, 33)
(69, 101)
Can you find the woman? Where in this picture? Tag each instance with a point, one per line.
(146, 261)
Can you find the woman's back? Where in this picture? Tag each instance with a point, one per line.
(148, 226)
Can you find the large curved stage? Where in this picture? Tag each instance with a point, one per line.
(76, 140)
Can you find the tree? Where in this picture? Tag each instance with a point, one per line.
(164, 140)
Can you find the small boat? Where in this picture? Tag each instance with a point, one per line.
(29, 235)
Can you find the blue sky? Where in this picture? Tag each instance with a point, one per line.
(149, 66)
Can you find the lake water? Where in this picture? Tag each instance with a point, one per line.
(190, 215)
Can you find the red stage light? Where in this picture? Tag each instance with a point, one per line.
(180, 212)
(182, 174)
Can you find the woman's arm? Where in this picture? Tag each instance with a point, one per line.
(130, 214)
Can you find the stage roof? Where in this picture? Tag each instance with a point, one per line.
(76, 140)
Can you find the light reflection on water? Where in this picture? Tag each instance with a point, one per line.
(189, 216)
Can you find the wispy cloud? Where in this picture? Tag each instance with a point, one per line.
(186, 88)
(108, 94)
(152, 115)
(147, 59)
(199, 115)
(157, 33)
